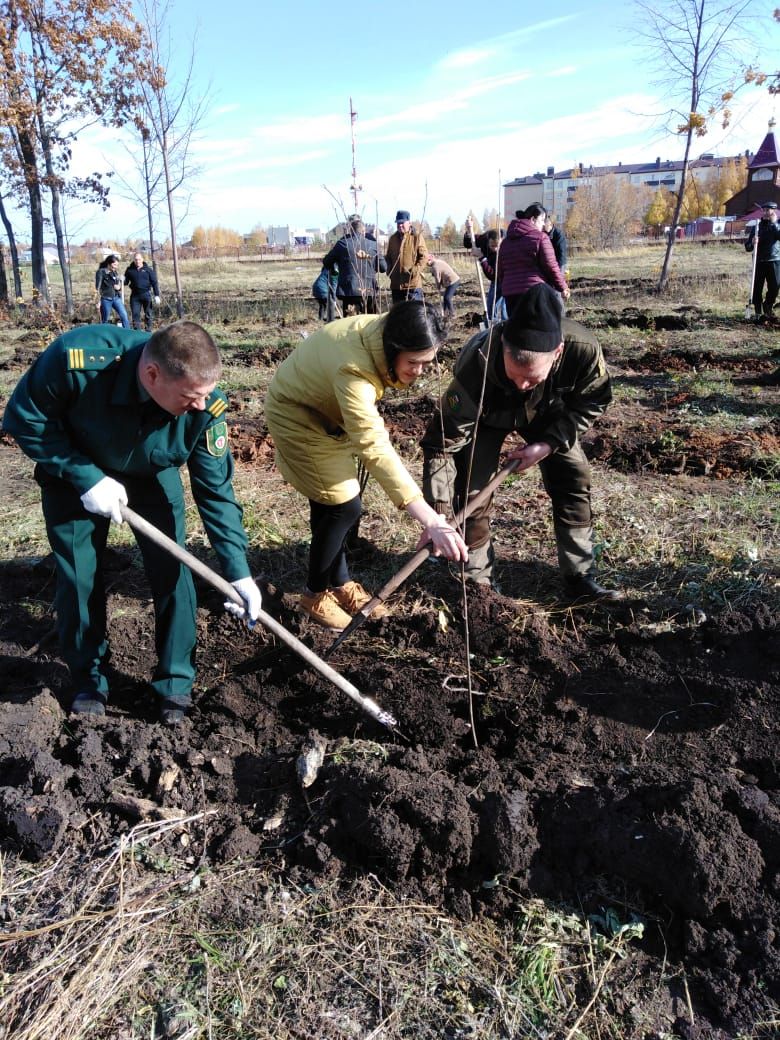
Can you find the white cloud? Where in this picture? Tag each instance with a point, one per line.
(466, 58)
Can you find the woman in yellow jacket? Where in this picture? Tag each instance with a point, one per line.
(321, 410)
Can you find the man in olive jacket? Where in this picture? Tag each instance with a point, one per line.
(546, 380)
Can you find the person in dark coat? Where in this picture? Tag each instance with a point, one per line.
(767, 232)
(559, 243)
(356, 258)
(143, 290)
(487, 243)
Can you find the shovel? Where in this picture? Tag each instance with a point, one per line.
(164, 542)
(420, 557)
(749, 304)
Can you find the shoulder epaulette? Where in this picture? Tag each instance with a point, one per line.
(91, 359)
(217, 405)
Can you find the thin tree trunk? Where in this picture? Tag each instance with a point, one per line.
(172, 219)
(13, 251)
(33, 185)
(56, 217)
(695, 95)
(145, 140)
(3, 280)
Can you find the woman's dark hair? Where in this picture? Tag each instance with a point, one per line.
(414, 326)
(536, 209)
(108, 260)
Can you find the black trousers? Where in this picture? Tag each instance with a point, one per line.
(330, 527)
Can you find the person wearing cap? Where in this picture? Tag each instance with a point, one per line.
(767, 236)
(406, 257)
(109, 416)
(321, 410)
(543, 377)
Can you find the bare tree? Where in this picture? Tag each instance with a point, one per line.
(168, 117)
(698, 49)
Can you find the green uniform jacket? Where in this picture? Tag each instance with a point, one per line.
(557, 411)
(80, 413)
(321, 412)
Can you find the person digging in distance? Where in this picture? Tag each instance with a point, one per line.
(321, 410)
(546, 379)
(486, 245)
(109, 416)
(447, 282)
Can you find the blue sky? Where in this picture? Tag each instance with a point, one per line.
(452, 99)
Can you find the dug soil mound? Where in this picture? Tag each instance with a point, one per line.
(636, 768)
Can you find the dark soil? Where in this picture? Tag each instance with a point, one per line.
(603, 759)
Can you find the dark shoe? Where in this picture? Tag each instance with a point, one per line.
(89, 702)
(172, 713)
(585, 588)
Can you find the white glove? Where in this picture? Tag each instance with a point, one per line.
(250, 594)
(105, 498)
(157, 300)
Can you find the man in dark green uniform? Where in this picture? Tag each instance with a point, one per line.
(109, 416)
(543, 376)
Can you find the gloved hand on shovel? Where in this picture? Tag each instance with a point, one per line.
(253, 600)
(105, 498)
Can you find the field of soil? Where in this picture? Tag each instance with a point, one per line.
(622, 758)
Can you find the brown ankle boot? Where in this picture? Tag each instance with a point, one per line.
(352, 597)
(323, 607)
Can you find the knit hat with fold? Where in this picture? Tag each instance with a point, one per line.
(536, 321)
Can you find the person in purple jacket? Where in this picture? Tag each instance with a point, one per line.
(527, 258)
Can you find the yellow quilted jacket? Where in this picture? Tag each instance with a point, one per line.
(321, 410)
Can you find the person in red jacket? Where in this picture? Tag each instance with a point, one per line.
(527, 258)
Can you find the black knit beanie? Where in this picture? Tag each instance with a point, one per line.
(536, 321)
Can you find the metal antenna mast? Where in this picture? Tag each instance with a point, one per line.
(354, 187)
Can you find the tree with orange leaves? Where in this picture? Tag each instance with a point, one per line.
(62, 68)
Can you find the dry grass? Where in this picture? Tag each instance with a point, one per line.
(141, 945)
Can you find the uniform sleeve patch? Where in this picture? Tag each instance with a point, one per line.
(453, 402)
(217, 439)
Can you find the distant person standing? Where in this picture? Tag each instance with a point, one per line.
(143, 289)
(527, 257)
(108, 286)
(355, 257)
(447, 282)
(406, 257)
(765, 238)
(559, 243)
